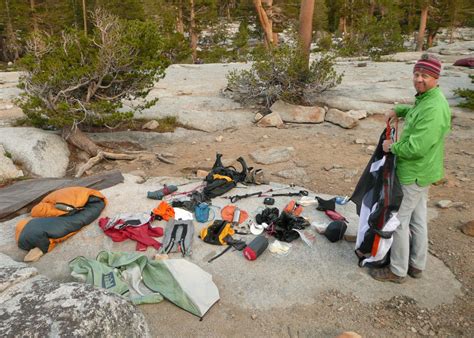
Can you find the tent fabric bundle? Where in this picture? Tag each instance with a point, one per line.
(377, 196)
(134, 276)
(60, 215)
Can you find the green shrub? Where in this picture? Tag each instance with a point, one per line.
(373, 37)
(75, 79)
(467, 94)
(282, 73)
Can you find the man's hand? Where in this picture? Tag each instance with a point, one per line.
(386, 145)
(391, 116)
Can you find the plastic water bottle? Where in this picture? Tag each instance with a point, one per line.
(342, 200)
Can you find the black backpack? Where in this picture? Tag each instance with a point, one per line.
(221, 179)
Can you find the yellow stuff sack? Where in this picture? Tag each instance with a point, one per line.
(216, 232)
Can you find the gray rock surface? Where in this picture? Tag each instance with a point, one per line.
(272, 155)
(192, 93)
(264, 284)
(8, 169)
(341, 118)
(32, 305)
(377, 87)
(41, 152)
(298, 114)
(458, 47)
(294, 173)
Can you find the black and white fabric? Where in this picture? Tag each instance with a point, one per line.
(378, 196)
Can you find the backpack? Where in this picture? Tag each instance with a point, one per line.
(217, 232)
(178, 237)
(221, 179)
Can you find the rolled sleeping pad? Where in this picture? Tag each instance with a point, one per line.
(256, 248)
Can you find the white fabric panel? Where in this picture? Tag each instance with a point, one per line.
(182, 214)
(195, 282)
(377, 164)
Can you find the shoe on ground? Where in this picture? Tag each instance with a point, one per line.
(386, 275)
(414, 272)
(33, 255)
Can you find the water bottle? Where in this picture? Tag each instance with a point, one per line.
(159, 194)
(342, 200)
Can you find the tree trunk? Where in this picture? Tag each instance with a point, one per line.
(179, 19)
(431, 37)
(34, 17)
(306, 27)
(74, 136)
(421, 32)
(342, 25)
(269, 12)
(11, 39)
(77, 138)
(192, 31)
(371, 8)
(84, 16)
(264, 22)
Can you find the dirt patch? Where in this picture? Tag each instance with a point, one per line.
(333, 159)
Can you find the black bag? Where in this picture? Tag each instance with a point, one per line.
(222, 179)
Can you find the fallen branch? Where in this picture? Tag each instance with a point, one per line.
(164, 159)
(99, 157)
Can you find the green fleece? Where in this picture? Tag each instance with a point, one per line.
(420, 151)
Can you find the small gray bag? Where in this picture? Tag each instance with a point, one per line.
(178, 237)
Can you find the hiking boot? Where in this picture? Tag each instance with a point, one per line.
(414, 272)
(386, 275)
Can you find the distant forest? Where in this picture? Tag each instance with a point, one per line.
(229, 30)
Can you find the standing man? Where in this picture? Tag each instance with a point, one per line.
(419, 160)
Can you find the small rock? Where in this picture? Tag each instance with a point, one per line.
(201, 173)
(468, 228)
(293, 173)
(432, 333)
(298, 114)
(141, 176)
(371, 148)
(254, 316)
(272, 155)
(341, 118)
(349, 334)
(258, 117)
(444, 204)
(271, 120)
(265, 136)
(358, 114)
(359, 141)
(219, 138)
(10, 64)
(193, 142)
(362, 64)
(208, 159)
(151, 125)
(413, 330)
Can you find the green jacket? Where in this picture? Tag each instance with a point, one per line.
(420, 150)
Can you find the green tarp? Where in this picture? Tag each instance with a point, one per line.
(142, 280)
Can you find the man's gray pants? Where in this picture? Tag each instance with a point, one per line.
(410, 240)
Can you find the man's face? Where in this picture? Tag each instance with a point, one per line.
(423, 82)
